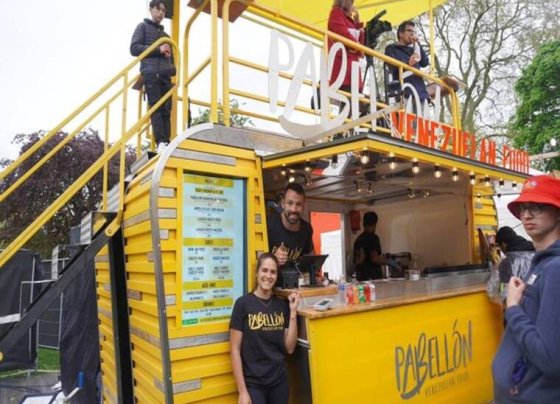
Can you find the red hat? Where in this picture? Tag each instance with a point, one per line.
(538, 189)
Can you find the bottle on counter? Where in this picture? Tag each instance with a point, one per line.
(372, 295)
(350, 294)
(361, 294)
(342, 291)
(367, 292)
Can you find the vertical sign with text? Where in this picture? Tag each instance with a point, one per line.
(213, 247)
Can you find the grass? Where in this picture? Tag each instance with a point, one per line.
(49, 359)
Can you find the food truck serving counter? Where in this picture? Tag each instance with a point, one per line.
(425, 340)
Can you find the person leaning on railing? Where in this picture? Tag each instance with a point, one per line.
(345, 21)
(408, 50)
(156, 69)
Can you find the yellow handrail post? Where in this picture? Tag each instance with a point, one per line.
(175, 38)
(214, 66)
(139, 137)
(225, 62)
(106, 165)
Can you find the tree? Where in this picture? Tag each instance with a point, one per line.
(236, 120)
(31, 198)
(486, 43)
(537, 119)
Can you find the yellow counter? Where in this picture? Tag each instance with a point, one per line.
(430, 347)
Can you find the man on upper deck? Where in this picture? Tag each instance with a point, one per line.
(290, 236)
(408, 50)
(156, 69)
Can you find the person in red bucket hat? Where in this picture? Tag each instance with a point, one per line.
(526, 368)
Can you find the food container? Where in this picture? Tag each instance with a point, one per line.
(412, 275)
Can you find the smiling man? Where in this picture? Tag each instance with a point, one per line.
(526, 368)
(290, 236)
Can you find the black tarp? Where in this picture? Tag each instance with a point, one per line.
(24, 266)
(79, 341)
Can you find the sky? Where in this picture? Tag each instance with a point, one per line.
(55, 54)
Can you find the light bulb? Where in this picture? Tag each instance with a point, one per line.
(307, 168)
(393, 163)
(415, 167)
(437, 172)
(455, 175)
(514, 185)
(501, 183)
(364, 158)
(291, 178)
(472, 179)
(487, 181)
(283, 171)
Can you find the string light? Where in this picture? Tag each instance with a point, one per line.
(501, 183)
(478, 198)
(393, 163)
(334, 161)
(437, 171)
(364, 158)
(455, 175)
(487, 181)
(358, 187)
(283, 171)
(514, 185)
(415, 167)
(307, 167)
(291, 178)
(472, 178)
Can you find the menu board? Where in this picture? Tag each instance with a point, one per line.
(213, 247)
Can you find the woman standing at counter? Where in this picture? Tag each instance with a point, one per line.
(263, 329)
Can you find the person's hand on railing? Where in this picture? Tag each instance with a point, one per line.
(165, 50)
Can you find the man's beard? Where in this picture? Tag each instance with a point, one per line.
(289, 218)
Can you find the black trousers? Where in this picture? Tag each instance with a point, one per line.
(278, 394)
(157, 86)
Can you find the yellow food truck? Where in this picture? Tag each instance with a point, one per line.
(191, 221)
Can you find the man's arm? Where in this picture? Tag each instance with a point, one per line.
(424, 60)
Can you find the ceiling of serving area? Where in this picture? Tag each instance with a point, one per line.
(382, 179)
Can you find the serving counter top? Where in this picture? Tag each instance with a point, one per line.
(396, 292)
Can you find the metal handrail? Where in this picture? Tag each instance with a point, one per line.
(103, 160)
(301, 28)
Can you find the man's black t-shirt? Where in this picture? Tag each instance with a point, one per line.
(368, 242)
(263, 351)
(297, 243)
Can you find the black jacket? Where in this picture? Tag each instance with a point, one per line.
(145, 34)
(403, 54)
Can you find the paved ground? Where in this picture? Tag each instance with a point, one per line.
(14, 389)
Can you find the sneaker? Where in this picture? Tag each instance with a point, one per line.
(161, 147)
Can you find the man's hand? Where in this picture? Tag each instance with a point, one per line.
(165, 50)
(515, 291)
(414, 58)
(281, 254)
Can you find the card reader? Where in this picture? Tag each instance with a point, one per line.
(323, 304)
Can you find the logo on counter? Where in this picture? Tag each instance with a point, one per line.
(434, 363)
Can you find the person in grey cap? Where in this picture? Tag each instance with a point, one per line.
(526, 368)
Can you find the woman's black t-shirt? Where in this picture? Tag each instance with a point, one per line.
(262, 347)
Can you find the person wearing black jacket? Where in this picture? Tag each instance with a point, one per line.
(156, 69)
(408, 51)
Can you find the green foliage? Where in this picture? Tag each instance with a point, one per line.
(537, 119)
(235, 119)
